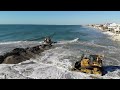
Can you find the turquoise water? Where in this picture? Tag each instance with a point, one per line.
(35, 32)
(13, 33)
(38, 32)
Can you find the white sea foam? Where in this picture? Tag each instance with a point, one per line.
(75, 40)
(109, 33)
(113, 36)
(14, 42)
(8, 46)
(53, 64)
(33, 70)
(18, 42)
(68, 41)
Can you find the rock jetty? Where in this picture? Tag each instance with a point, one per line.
(18, 55)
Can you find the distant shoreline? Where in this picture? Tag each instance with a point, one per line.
(113, 36)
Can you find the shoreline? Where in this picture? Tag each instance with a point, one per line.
(113, 36)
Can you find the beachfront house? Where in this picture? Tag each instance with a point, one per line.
(113, 27)
(117, 30)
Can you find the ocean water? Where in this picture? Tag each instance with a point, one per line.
(72, 42)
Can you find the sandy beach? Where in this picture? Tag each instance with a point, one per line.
(113, 36)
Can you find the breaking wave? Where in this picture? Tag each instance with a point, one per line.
(57, 62)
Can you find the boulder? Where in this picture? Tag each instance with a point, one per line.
(1, 59)
(18, 55)
(13, 59)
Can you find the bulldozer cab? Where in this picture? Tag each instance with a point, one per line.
(96, 60)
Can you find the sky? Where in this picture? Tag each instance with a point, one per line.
(59, 17)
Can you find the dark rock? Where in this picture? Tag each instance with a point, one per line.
(35, 50)
(18, 55)
(18, 50)
(15, 51)
(1, 59)
(77, 65)
(13, 59)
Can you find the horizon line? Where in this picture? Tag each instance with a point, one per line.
(40, 24)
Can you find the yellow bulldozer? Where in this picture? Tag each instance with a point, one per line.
(90, 65)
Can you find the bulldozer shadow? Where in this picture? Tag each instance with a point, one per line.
(111, 68)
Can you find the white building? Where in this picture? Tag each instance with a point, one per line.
(117, 30)
(113, 27)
